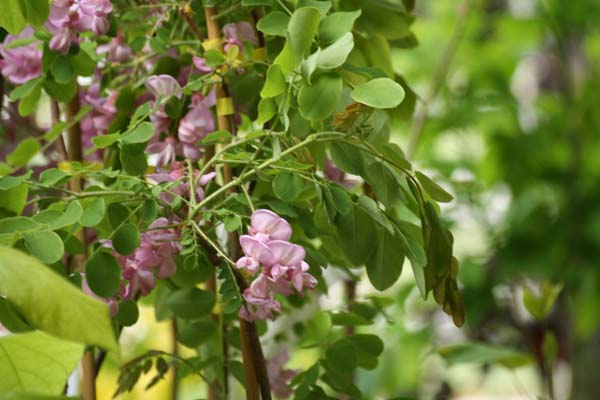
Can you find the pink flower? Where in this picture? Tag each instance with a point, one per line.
(200, 64)
(284, 268)
(163, 86)
(140, 280)
(256, 253)
(235, 34)
(22, 63)
(116, 50)
(69, 17)
(197, 123)
(279, 377)
(178, 173)
(266, 225)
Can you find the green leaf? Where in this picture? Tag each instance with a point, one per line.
(140, 134)
(93, 211)
(126, 239)
(191, 303)
(287, 59)
(367, 349)
(28, 103)
(70, 216)
(149, 210)
(348, 158)
(287, 186)
(193, 334)
(434, 190)
(302, 28)
(36, 362)
(10, 317)
(483, 354)
(103, 274)
(52, 304)
(379, 93)
(82, 64)
(384, 183)
(319, 100)
(341, 199)
(385, 266)
(23, 90)
(13, 200)
(35, 11)
(540, 306)
(275, 23)
(341, 356)
(267, 109)
(134, 161)
(46, 246)
(255, 3)
(336, 25)
(221, 137)
(385, 18)
(336, 54)
(128, 313)
(12, 17)
(24, 152)
(394, 153)
(103, 141)
(52, 176)
(61, 69)
(354, 230)
(274, 84)
(117, 214)
(322, 6)
(61, 92)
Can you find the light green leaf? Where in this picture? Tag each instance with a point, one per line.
(52, 304)
(36, 362)
(61, 69)
(302, 28)
(287, 186)
(434, 190)
(47, 246)
(274, 84)
(12, 17)
(319, 100)
(70, 216)
(483, 354)
(103, 141)
(140, 134)
(379, 93)
(35, 11)
(267, 109)
(28, 103)
(275, 23)
(23, 90)
(93, 211)
(336, 54)
(336, 25)
(24, 152)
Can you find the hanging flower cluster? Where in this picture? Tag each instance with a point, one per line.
(70, 17)
(279, 376)
(195, 125)
(283, 265)
(158, 248)
(178, 174)
(20, 64)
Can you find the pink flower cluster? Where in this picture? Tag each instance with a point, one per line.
(116, 50)
(283, 265)
(22, 63)
(279, 376)
(195, 125)
(154, 258)
(70, 17)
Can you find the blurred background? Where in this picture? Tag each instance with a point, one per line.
(507, 117)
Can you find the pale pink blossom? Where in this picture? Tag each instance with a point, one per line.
(266, 225)
(279, 376)
(235, 34)
(200, 64)
(23, 63)
(116, 50)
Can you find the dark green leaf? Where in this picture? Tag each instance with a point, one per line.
(126, 239)
(103, 274)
